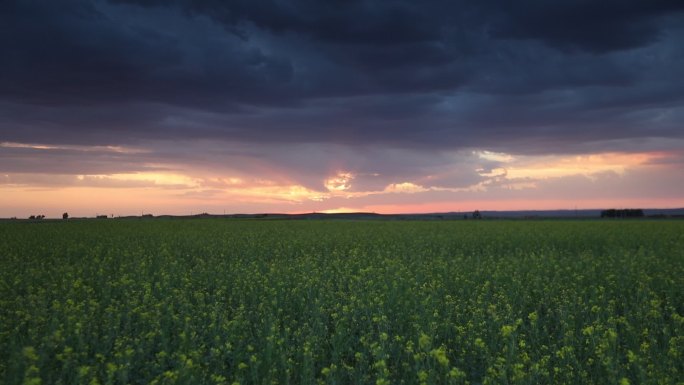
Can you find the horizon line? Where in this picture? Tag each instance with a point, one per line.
(323, 212)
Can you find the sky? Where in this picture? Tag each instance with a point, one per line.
(122, 107)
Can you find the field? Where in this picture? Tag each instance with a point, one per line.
(341, 302)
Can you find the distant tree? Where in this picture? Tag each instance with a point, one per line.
(636, 213)
(101, 216)
(622, 213)
(32, 217)
(40, 216)
(65, 216)
(610, 213)
(477, 215)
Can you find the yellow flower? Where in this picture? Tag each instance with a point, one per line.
(424, 341)
(533, 317)
(507, 330)
(440, 356)
(422, 375)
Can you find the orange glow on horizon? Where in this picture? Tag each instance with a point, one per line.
(177, 192)
(505, 205)
(91, 201)
(555, 167)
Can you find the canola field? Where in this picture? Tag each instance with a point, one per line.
(216, 301)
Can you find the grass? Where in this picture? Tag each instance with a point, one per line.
(213, 301)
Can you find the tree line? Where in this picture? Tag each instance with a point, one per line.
(622, 213)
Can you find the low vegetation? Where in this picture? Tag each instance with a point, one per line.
(210, 301)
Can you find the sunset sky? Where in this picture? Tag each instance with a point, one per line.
(187, 106)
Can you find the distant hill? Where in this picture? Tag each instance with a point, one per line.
(455, 215)
(522, 214)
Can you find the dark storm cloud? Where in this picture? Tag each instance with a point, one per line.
(75, 52)
(367, 22)
(594, 26)
(514, 76)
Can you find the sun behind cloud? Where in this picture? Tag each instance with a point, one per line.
(339, 182)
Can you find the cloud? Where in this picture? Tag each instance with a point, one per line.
(586, 25)
(394, 74)
(329, 102)
(74, 160)
(339, 182)
(404, 187)
(121, 181)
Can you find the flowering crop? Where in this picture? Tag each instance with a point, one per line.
(213, 301)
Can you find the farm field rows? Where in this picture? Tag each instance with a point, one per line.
(213, 301)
